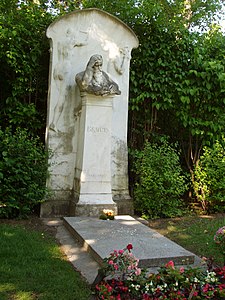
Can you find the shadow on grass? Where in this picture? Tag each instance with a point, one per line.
(32, 267)
(194, 233)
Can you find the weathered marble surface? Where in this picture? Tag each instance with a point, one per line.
(93, 187)
(74, 38)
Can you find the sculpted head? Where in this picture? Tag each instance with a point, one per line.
(94, 80)
(96, 61)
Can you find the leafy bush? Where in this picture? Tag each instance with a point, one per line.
(161, 183)
(23, 171)
(209, 180)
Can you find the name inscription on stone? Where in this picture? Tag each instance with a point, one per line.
(94, 174)
(93, 129)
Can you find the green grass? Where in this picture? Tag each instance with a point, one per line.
(32, 267)
(194, 234)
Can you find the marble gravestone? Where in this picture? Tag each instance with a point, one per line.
(90, 52)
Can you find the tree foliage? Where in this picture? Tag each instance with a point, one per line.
(24, 61)
(24, 56)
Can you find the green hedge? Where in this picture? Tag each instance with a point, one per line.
(161, 183)
(209, 183)
(23, 172)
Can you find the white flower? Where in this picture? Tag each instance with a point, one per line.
(137, 287)
(146, 288)
(211, 277)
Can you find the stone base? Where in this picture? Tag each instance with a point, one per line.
(58, 205)
(124, 204)
(93, 210)
(54, 208)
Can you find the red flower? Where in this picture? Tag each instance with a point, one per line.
(220, 271)
(146, 297)
(129, 247)
(206, 288)
(170, 264)
(222, 287)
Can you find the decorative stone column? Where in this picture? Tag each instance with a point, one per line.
(93, 190)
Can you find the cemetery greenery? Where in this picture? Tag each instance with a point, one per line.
(23, 172)
(177, 91)
(33, 266)
(159, 181)
(194, 233)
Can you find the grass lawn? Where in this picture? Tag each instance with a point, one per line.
(194, 233)
(32, 267)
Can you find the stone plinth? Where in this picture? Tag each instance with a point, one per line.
(93, 190)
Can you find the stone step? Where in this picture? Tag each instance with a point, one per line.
(101, 237)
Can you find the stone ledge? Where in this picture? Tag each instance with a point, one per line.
(101, 237)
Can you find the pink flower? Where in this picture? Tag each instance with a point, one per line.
(110, 262)
(170, 264)
(115, 266)
(129, 247)
(109, 288)
(121, 251)
(138, 271)
(181, 270)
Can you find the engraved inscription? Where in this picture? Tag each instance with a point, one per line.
(94, 174)
(94, 129)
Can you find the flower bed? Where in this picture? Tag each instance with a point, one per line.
(219, 239)
(124, 280)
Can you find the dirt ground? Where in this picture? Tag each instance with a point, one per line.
(36, 223)
(32, 223)
(160, 225)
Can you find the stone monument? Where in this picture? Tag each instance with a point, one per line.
(87, 114)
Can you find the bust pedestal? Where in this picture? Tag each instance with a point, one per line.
(93, 190)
